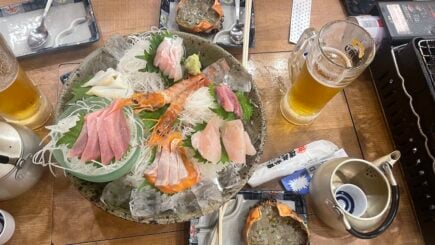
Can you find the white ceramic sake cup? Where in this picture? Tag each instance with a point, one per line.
(351, 199)
(8, 228)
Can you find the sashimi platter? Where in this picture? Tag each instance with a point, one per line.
(157, 127)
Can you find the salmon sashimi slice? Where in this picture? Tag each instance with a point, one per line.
(92, 149)
(172, 171)
(233, 139)
(80, 144)
(250, 150)
(207, 142)
(228, 100)
(105, 149)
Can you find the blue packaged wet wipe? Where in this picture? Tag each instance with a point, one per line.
(297, 182)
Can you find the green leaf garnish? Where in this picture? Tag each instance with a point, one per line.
(78, 91)
(219, 110)
(70, 137)
(246, 105)
(150, 118)
(150, 54)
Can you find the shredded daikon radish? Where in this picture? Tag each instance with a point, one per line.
(145, 82)
(198, 108)
(129, 65)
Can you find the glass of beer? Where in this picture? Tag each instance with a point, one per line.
(322, 64)
(20, 100)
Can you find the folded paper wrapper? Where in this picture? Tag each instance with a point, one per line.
(299, 181)
(308, 156)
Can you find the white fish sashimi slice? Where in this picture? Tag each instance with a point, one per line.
(163, 169)
(250, 150)
(182, 171)
(168, 57)
(110, 93)
(102, 78)
(234, 140)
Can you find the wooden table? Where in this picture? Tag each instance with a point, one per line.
(54, 212)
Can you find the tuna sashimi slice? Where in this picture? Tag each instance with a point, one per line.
(250, 150)
(92, 149)
(234, 140)
(80, 144)
(117, 132)
(105, 149)
(207, 142)
(228, 99)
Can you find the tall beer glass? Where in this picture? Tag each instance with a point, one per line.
(321, 65)
(20, 100)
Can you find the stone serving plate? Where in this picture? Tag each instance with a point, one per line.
(108, 56)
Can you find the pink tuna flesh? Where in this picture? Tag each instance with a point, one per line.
(92, 149)
(80, 144)
(228, 100)
(106, 152)
(118, 133)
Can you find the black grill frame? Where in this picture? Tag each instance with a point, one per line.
(405, 89)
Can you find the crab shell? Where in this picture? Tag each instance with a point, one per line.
(283, 211)
(203, 25)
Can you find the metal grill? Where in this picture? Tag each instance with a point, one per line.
(404, 80)
(427, 51)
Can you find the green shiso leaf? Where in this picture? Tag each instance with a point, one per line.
(219, 110)
(150, 118)
(150, 54)
(78, 91)
(70, 137)
(245, 104)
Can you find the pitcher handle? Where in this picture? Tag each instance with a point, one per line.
(296, 59)
(391, 214)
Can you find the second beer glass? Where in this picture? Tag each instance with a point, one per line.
(321, 65)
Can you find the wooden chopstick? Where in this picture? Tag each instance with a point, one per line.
(246, 32)
(245, 54)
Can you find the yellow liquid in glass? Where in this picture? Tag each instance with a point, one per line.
(311, 90)
(20, 100)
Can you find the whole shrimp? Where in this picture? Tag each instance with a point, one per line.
(155, 100)
(167, 120)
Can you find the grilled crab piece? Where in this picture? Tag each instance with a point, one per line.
(272, 222)
(199, 15)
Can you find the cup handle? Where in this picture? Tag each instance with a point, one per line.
(296, 59)
(391, 214)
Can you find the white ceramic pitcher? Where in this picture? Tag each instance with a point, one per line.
(374, 178)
